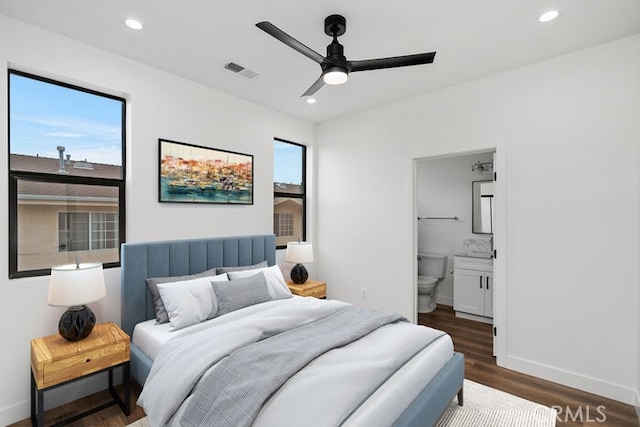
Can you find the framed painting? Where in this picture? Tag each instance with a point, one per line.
(196, 174)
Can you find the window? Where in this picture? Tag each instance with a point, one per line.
(82, 231)
(66, 175)
(283, 224)
(289, 192)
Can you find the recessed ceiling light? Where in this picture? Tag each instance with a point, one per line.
(311, 100)
(134, 24)
(549, 16)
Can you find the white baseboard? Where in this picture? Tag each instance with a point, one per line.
(14, 413)
(59, 396)
(638, 404)
(444, 300)
(573, 379)
(469, 316)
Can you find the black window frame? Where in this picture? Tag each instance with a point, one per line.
(302, 196)
(15, 176)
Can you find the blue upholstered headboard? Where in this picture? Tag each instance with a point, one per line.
(179, 257)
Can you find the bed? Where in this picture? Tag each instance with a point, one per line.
(415, 394)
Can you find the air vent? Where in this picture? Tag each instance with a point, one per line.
(239, 69)
(233, 67)
(83, 165)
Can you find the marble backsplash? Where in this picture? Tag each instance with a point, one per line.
(476, 245)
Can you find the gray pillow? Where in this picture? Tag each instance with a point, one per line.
(261, 264)
(236, 294)
(152, 284)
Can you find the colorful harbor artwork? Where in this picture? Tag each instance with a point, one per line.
(196, 174)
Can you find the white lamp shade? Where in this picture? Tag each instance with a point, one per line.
(299, 252)
(72, 284)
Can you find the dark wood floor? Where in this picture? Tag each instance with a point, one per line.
(474, 340)
(469, 337)
(112, 416)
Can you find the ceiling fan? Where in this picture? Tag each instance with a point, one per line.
(335, 66)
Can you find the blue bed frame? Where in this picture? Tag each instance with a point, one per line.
(180, 257)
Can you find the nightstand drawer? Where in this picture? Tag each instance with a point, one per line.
(315, 291)
(81, 364)
(310, 288)
(55, 360)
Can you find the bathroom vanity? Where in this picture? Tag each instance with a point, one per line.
(473, 287)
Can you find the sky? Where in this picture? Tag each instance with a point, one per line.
(287, 163)
(43, 116)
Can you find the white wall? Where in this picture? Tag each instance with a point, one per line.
(566, 131)
(443, 189)
(161, 105)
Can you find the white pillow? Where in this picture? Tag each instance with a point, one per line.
(190, 301)
(275, 280)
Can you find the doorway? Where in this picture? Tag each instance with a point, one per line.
(444, 208)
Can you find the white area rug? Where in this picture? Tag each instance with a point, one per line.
(483, 407)
(487, 407)
(142, 422)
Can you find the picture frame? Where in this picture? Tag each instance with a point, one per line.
(189, 173)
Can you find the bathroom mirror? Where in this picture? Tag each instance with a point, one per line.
(482, 207)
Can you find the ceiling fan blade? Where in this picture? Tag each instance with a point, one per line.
(392, 62)
(314, 87)
(285, 38)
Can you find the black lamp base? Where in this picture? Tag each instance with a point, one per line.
(76, 323)
(299, 274)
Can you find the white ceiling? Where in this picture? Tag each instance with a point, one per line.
(195, 38)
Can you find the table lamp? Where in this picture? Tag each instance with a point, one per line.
(74, 286)
(299, 252)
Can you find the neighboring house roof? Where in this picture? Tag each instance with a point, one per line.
(283, 187)
(286, 201)
(21, 162)
(44, 191)
(41, 191)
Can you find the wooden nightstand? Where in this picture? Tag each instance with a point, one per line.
(56, 361)
(310, 288)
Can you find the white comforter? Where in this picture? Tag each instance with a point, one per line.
(320, 394)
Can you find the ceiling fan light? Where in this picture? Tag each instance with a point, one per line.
(335, 76)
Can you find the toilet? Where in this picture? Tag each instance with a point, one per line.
(431, 269)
